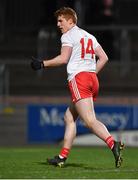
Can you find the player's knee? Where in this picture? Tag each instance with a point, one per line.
(90, 123)
(68, 119)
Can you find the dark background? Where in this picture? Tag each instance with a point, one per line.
(28, 28)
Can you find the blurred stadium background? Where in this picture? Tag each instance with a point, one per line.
(28, 28)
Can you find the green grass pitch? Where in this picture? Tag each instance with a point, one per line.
(83, 163)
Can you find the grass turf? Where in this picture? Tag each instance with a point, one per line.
(83, 162)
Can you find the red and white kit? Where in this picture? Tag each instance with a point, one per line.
(81, 66)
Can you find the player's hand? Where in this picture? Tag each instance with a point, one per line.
(36, 64)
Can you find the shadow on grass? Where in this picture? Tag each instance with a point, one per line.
(80, 165)
(75, 165)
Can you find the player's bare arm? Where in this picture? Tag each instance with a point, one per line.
(60, 59)
(102, 58)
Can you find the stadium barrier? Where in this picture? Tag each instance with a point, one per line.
(46, 125)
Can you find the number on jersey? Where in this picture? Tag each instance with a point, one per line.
(87, 51)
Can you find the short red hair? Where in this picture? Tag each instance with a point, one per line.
(68, 13)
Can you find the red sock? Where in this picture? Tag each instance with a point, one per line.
(64, 152)
(110, 142)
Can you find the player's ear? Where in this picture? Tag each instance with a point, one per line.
(70, 20)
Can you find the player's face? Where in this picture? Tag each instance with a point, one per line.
(63, 24)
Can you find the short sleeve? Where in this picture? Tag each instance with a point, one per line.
(66, 40)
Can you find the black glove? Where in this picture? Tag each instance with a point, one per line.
(36, 64)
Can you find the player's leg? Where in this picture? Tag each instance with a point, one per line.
(70, 126)
(70, 133)
(85, 109)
